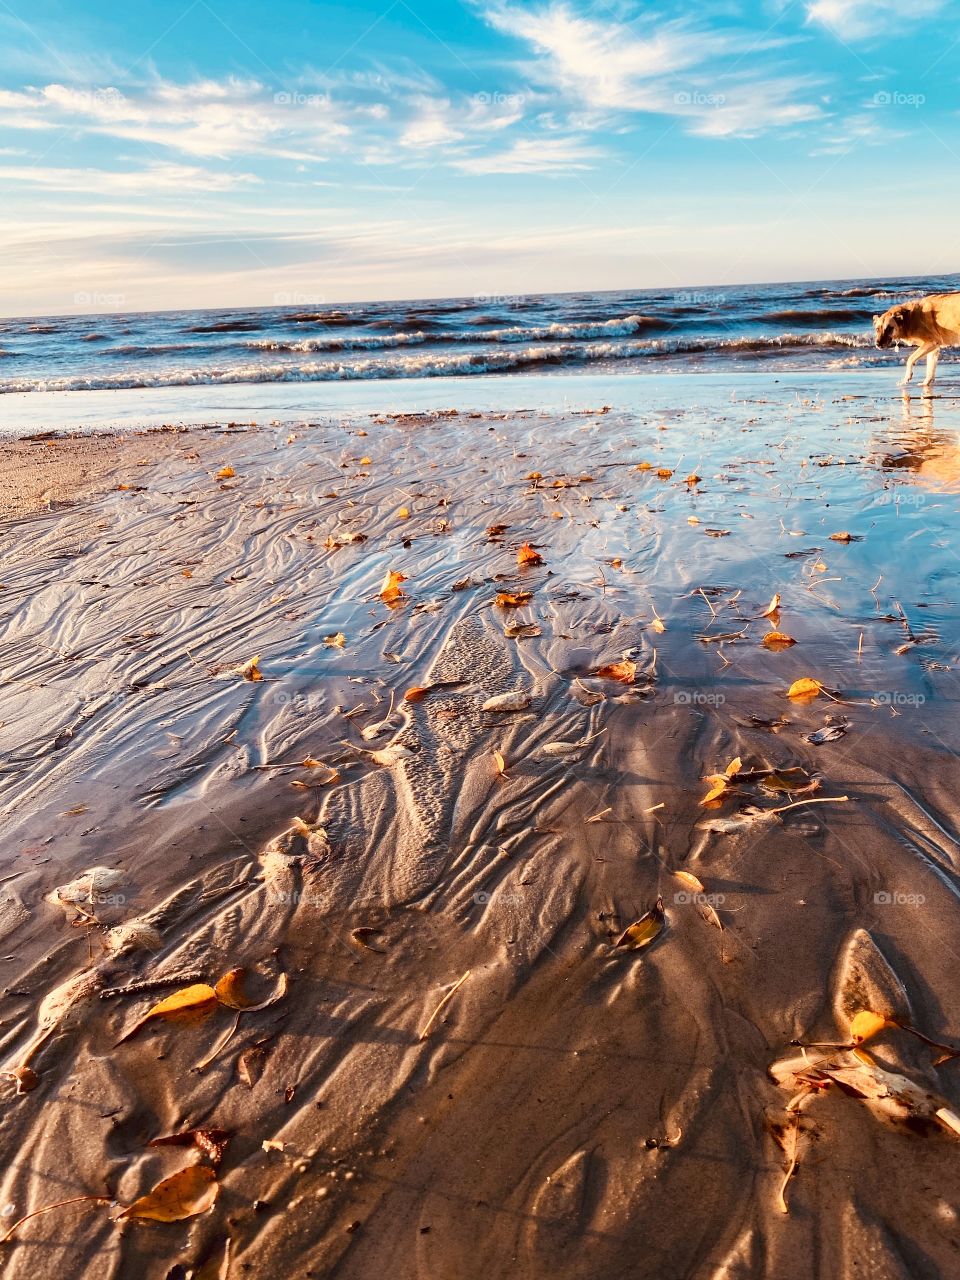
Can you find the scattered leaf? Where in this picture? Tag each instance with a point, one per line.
(361, 938)
(403, 513)
(522, 631)
(335, 641)
(499, 763)
(231, 991)
(190, 1004)
(805, 689)
(251, 670)
(212, 1142)
(390, 591)
(777, 640)
(772, 607)
(643, 931)
(226, 473)
(528, 557)
(513, 599)
(865, 1025)
(417, 693)
(185, 1194)
(625, 671)
(690, 880)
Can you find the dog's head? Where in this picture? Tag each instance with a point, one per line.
(888, 328)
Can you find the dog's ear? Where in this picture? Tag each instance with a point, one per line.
(877, 319)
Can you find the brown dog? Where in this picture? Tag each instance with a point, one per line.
(928, 324)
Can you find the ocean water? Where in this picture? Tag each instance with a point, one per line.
(813, 326)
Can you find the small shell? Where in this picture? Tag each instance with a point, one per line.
(517, 701)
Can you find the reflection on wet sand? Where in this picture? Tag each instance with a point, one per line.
(448, 1067)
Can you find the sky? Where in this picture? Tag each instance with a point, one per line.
(200, 153)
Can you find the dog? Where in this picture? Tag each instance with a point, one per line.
(929, 324)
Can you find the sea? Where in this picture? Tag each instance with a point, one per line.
(803, 326)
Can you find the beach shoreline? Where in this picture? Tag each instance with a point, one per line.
(458, 1071)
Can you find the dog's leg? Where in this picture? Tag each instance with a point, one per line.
(924, 349)
(932, 359)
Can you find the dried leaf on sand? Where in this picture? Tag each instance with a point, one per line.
(642, 932)
(185, 1194)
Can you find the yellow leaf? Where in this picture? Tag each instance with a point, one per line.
(365, 462)
(625, 671)
(225, 473)
(664, 473)
(501, 764)
(190, 1004)
(777, 640)
(403, 513)
(693, 478)
(772, 607)
(690, 880)
(720, 785)
(251, 670)
(865, 1025)
(643, 931)
(645, 466)
(231, 991)
(734, 767)
(390, 591)
(805, 689)
(528, 555)
(183, 1195)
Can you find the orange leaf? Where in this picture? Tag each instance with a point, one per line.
(772, 607)
(403, 513)
(865, 1025)
(183, 1195)
(625, 672)
(513, 599)
(251, 670)
(416, 694)
(190, 1004)
(390, 591)
(225, 473)
(527, 555)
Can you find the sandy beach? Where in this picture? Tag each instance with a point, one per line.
(520, 972)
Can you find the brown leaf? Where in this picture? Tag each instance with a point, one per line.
(416, 694)
(528, 557)
(251, 1064)
(185, 1194)
(212, 1142)
(231, 991)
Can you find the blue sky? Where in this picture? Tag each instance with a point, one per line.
(203, 153)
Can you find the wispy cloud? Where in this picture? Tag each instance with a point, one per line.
(860, 19)
(175, 178)
(534, 155)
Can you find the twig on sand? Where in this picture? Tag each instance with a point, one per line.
(47, 1207)
(817, 800)
(151, 984)
(453, 990)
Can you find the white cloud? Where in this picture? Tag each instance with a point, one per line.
(155, 178)
(673, 70)
(859, 19)
(534, 155)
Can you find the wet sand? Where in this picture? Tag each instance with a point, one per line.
(573, 1108)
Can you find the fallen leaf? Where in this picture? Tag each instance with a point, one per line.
(517, 701)
(772, 607)
(829, 733)
(226, 473)
(522, 631)
(212, 1142)
(643, 931)
(500, 763)
(403, 513)
(190, 1004)
(625, 672)
(391, 755)
(528, 557)
(805, 689)
(720, 785)
(865, 1025)
(360, 937)
(390, 591)
(335, 641)
(185, 1194)
(231, 991)
(690, 880)
(717, 533)
(513, 599)
(664, 473)
(416, 694)
(251, 670)
(777, 640)
(843, 536)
